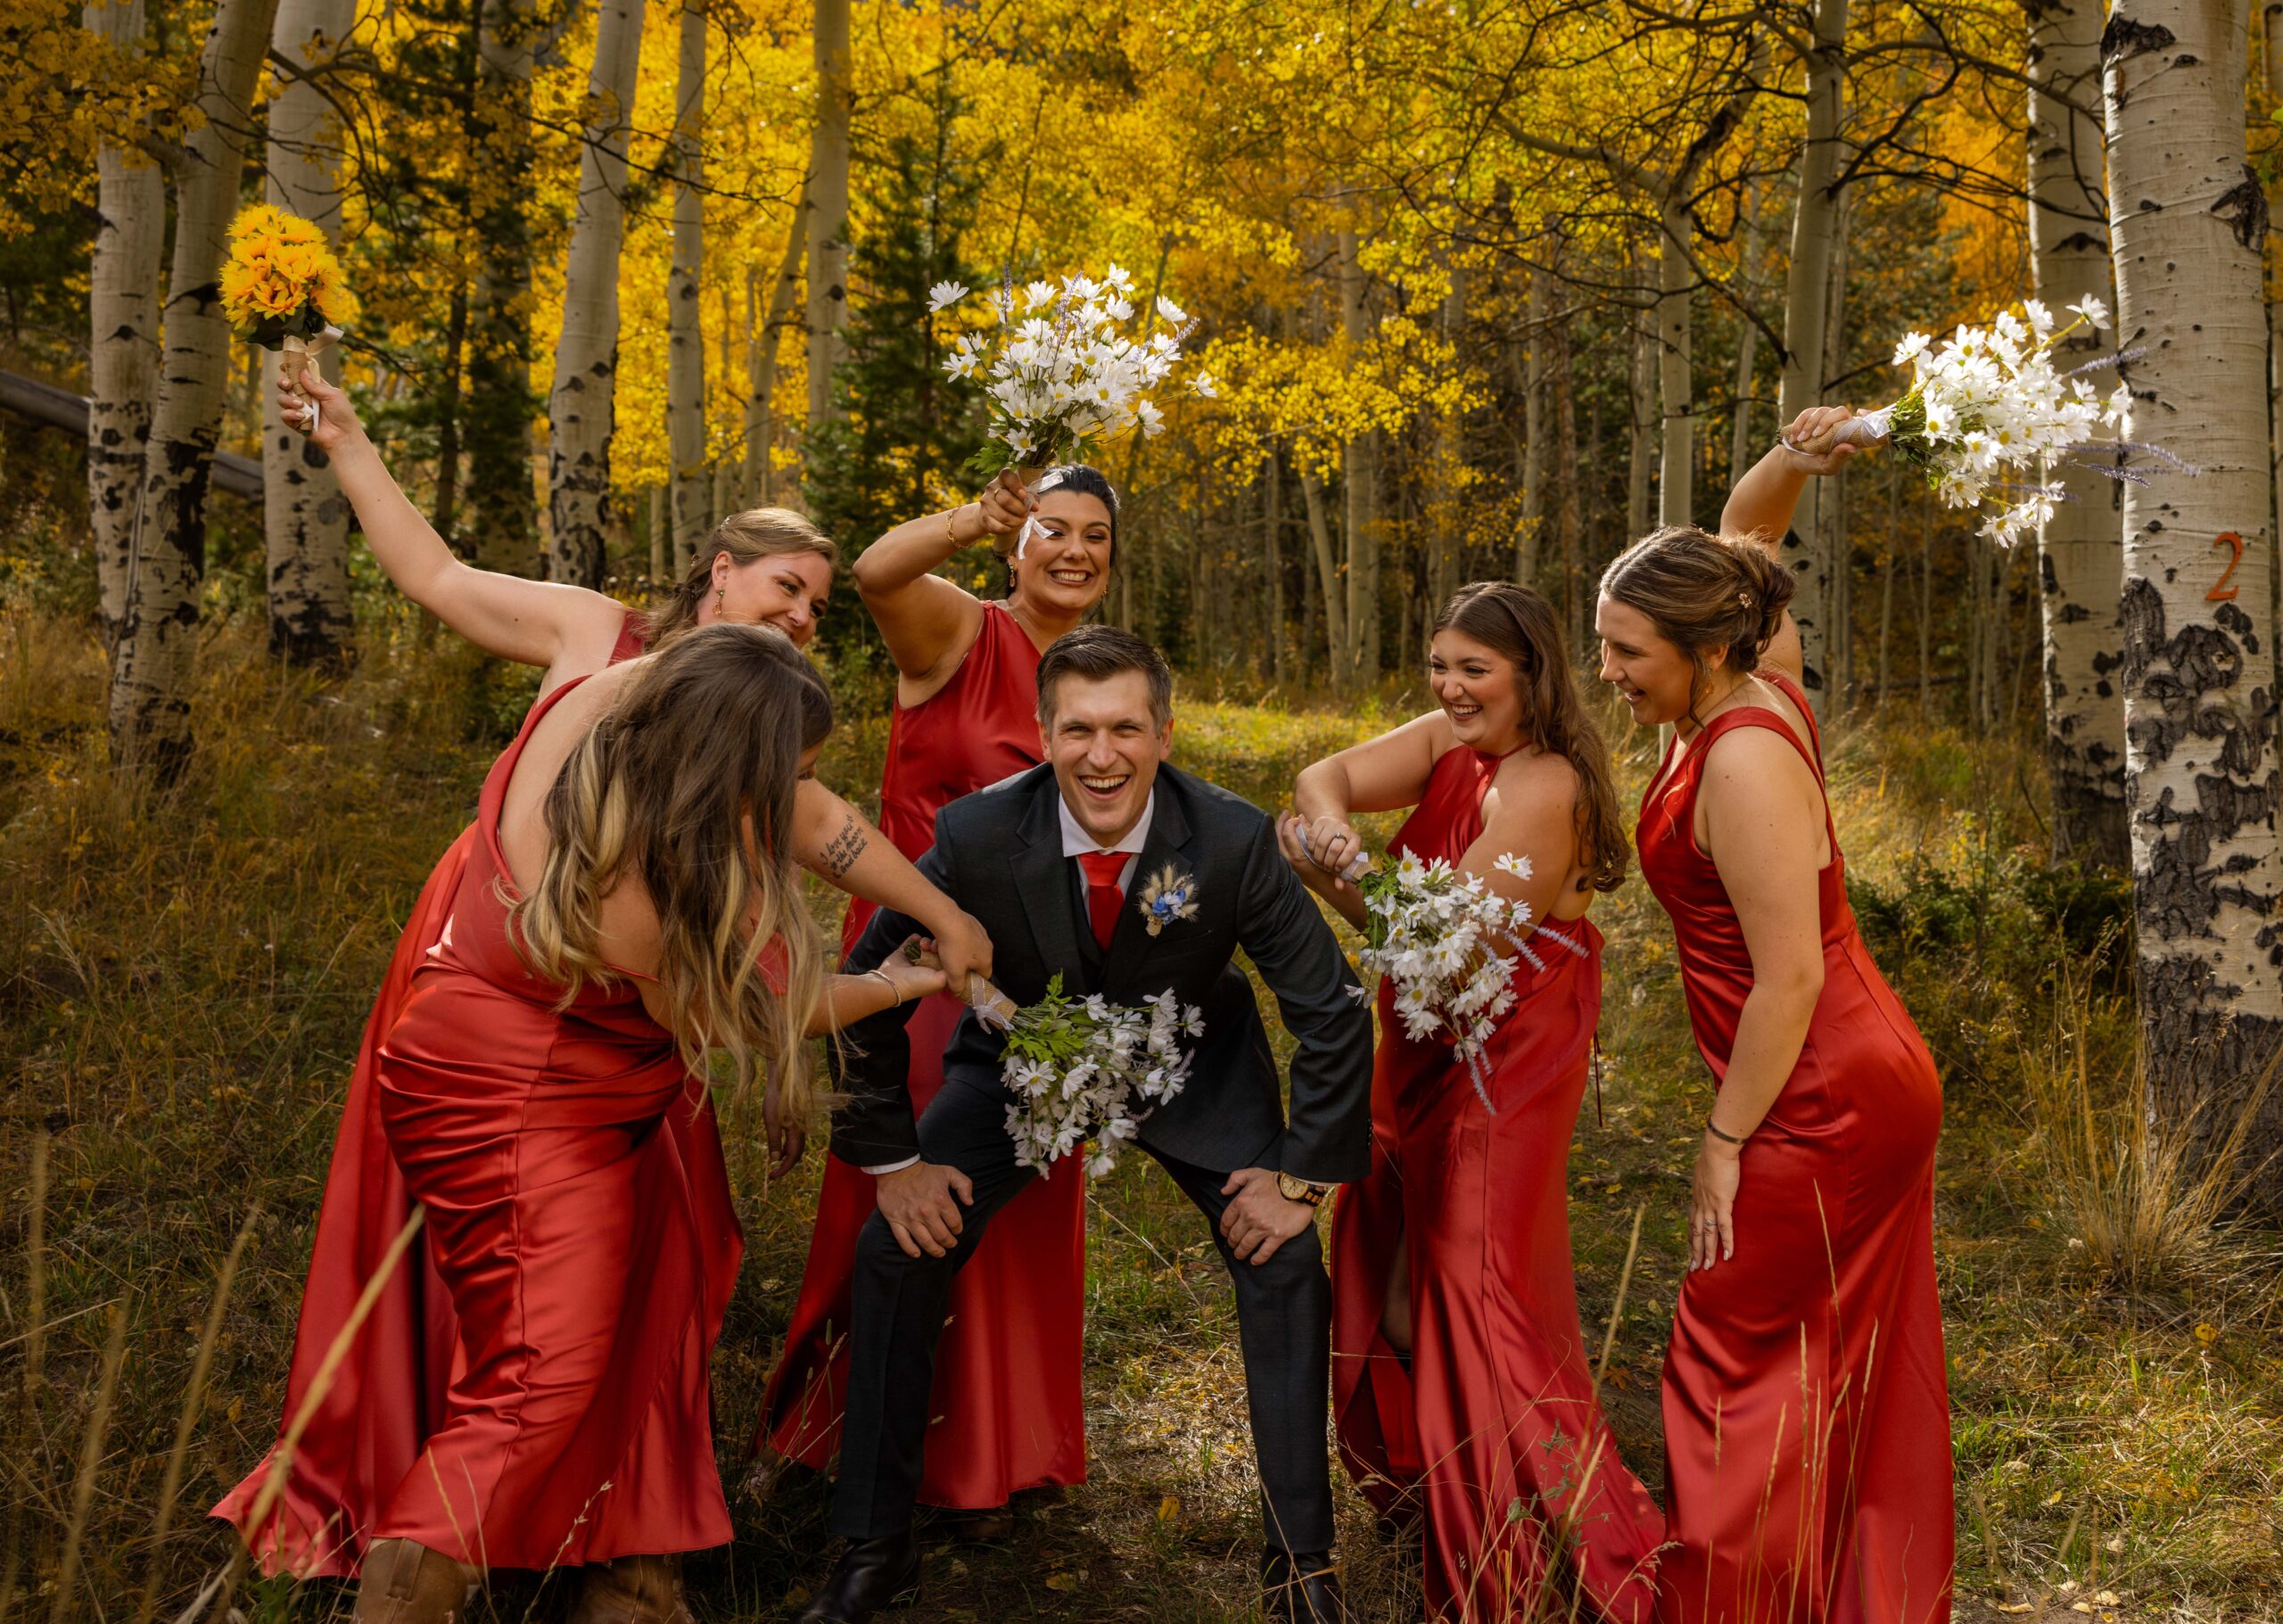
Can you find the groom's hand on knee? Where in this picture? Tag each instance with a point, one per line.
(1259, 1220)
(917, 1202)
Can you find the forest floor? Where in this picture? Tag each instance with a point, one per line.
(182, 985)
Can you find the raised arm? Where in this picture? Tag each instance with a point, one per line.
(1379, 775)
(1759, 509)
(565, 629)
(928, 623)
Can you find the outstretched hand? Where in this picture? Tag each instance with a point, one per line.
(320, 410)
(1811, 428)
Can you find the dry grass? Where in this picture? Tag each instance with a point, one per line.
(182, 984)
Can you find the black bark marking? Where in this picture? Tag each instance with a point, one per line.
(2123, 37)
(2244, 206)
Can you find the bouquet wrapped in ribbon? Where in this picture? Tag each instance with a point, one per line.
(1066, 367)
(1985, 407)
(1437, 935)
(283, 289)
(1085, 1068)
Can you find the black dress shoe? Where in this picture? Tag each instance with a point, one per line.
(873, 1574)
(1300, 1588)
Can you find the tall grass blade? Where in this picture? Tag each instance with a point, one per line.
(34, 1349)
(193, 1398)
(91, 1464)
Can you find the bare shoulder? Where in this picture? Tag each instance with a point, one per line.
(1755, 764)
(1534, 789)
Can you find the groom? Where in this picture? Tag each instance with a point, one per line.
(1051, 862)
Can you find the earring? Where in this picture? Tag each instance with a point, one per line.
(721, 600)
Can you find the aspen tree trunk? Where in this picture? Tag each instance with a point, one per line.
(2187, 219)
(1826, 498)
(1361, 483)
(150, 666)
(1675, 371)
(1528, 533)
(761, 366)
(1642, 413)
(1273, 527)
(123, 332)
(828, 219)
(580, 407)
(1448, 530)
(1806, 304)
(1335, 616)
(304, 517)
(1569, 521)
(1741, 454)
(2080, 565)
(686, 482)
(496, 418)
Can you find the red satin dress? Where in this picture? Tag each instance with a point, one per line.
(1009, 1413)
(1495, 1425)
(1807, 1412)
(394, 1390)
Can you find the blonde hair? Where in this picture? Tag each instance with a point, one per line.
(747, 537)
(710, 735)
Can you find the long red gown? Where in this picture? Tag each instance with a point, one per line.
(1497, 1420)
(1008, 1409)
(1807, 1413)
(390, 1394)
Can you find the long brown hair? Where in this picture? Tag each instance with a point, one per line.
(747, 537)
(1704, 593)
(708, 735)
(1517, 623)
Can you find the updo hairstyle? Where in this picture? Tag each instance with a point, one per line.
(1704, 593)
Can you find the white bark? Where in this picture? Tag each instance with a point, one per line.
(828, 219)
(761, 362)
(1361, 481)
(151, 667)
(2079, 565)
(580, 405)
(1675, 377)
(1644, 411)
(1335, 612)
(304, 518)
(1531, 533)
(1741, 455)
(1806, 305)
(685, 328)
(123, 332)
(2187, 219)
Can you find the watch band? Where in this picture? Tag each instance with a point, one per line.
(1294, 1189)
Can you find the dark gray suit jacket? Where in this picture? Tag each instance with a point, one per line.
(998, 853)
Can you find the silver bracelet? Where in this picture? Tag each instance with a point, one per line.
(894, 991)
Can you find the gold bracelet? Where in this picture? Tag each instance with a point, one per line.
(951, 525)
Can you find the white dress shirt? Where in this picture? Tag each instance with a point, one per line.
(1077, 842)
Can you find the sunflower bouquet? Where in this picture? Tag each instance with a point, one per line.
(282, 288)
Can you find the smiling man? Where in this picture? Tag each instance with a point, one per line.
(1051, 863)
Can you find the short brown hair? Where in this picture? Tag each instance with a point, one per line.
(1098, 653)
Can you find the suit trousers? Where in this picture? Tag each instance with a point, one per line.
(1284, 1322)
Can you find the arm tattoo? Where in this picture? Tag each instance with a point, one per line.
(842, 851)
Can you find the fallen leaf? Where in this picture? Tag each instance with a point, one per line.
(2206, 1335)
(2054, 1498)
(1060, 1581)
(2080, 1607)
(1169, 1509)
(2017, 1606)
(2108, 1598)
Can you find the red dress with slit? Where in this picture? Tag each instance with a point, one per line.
(1008, 1408)
(394, 1387)
(1495, 1427)
(1806, 1413)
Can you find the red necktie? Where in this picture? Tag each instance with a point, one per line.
(1103, 896)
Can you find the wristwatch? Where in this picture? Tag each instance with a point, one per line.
(1299, 1189)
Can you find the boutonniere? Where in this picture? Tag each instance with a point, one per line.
(1171, 894)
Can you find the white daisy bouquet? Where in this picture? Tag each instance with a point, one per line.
(1066, 365)
(1088, 1067)
(1986, 405)
(1434, 934)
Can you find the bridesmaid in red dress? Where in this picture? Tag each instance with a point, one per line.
(769, 568)
(1007, 1371)
(635, 847)
(1807, 1413)
(1461, 1379)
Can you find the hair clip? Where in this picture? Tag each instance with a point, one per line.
(1745, 599)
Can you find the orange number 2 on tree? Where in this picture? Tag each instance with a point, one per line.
(2225, 591)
